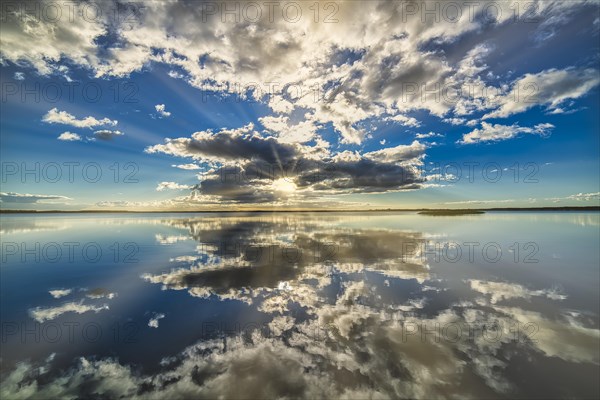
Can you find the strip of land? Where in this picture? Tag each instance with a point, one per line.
(450, 212)
(425, 211)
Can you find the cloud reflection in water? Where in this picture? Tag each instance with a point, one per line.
(353, 312)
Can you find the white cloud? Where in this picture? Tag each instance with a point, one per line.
(171, 186)
(499, 291)
(428, 135)
(288, 132)
(496, 132)
(171, 239)
(406, 121)
(62, 117)
(398, 154)
(388, 46)
(550, 88)
(577, 197)
(69, 137)
(189, 167)
(19, 76)
(58, 293)
(50, 313)
(160, 109)
(153, 323)
(100, 293)
(455, 121)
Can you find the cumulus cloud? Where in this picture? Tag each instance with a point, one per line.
(161, 111)
(153, 323)
(243, 274)
(406, 121)
(398, 154)
(69, 137)
(19, 76)
(496, 132)
(248, 162)
(54, 116)
(286, 132)
(377, 62)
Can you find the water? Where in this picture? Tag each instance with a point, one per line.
(500, 305)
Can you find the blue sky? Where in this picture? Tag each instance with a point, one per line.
(383, 107)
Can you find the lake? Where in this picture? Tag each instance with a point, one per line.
(300, 305)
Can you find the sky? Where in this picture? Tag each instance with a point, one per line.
(195, 105)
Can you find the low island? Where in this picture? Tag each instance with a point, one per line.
(450, 212)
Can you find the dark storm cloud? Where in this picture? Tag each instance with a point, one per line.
(246, 164)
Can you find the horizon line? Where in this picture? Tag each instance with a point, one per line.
(559, 208)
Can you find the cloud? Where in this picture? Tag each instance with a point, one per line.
(50, 313)
(286, 132)
(460, 121)
(100, 293)
(19, 76)
(373, 324)
(62, 117)
(69, 137)
(106, 134)
(160, 109)
(58, 293)
(398, 154)
(565, 338)
(428, 135)
(12, 197)
(585, 196)
(247, 163)
(43, 43)
(228, 145)
(153, 323)
(162, 239)
(406, 121)
(343, 77)
(188, 167)
(550, 88)
(577, 197)
(496, 132)
(171, 186)
(499, 291)
(263, 260)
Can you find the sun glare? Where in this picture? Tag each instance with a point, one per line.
(284, 185)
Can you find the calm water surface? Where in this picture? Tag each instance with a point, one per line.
(390, 305)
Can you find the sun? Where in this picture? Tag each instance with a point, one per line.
(283, 185)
